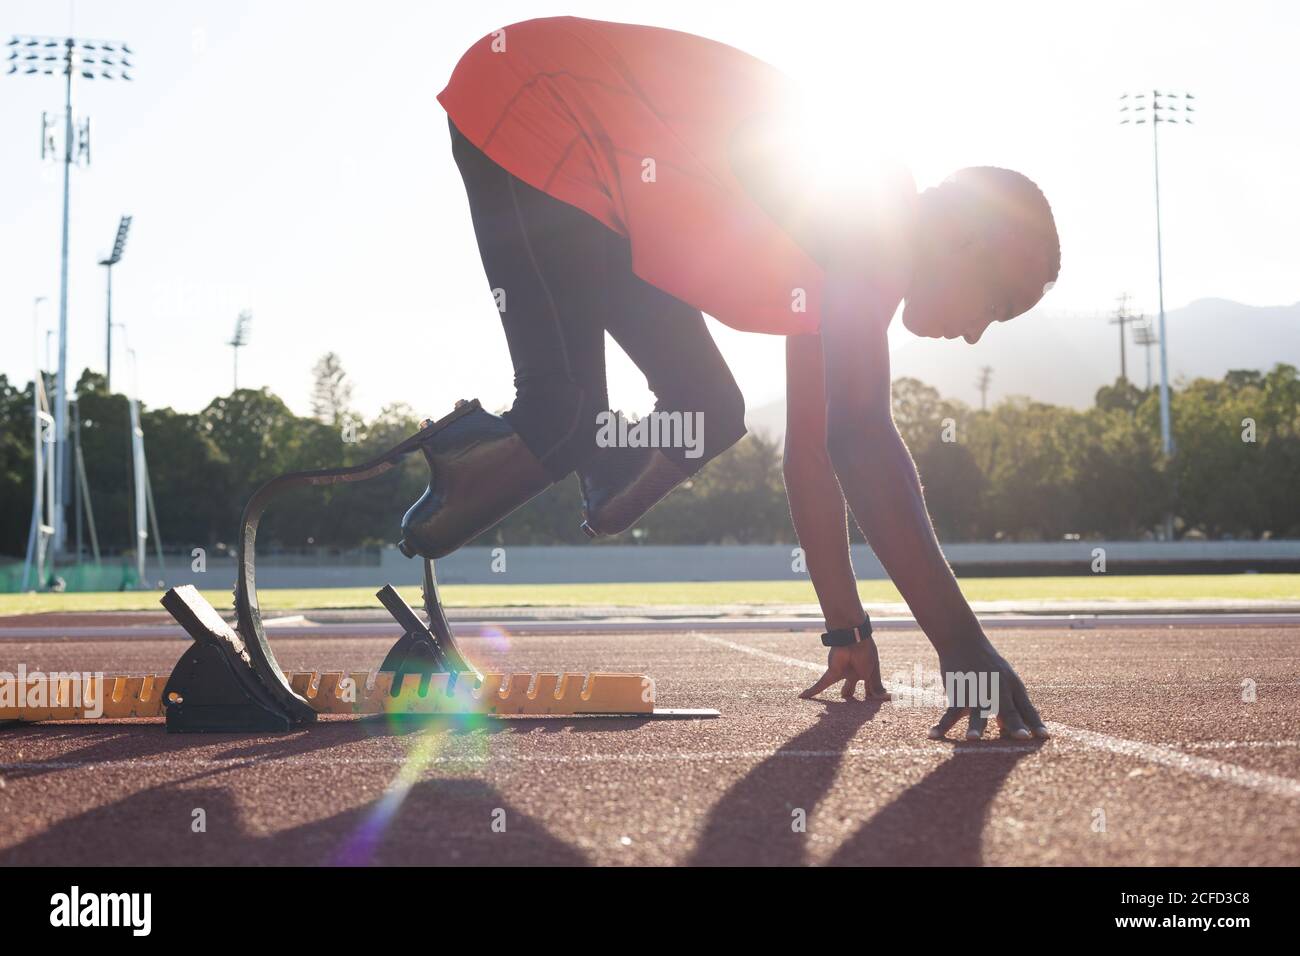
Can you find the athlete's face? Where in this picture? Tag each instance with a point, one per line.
(963, 280)
(956, 292)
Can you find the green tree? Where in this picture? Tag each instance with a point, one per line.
(1022, 470)
(1221, 479)
(1028, 452)
(331, 397)
(1123, 487)
(191, 479)
(254, 434)
(15, 466)
(106, 451)
(954, 489)
(738, 498)
(1280, 421)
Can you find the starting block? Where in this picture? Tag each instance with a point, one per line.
(228, 680)
(224, 683)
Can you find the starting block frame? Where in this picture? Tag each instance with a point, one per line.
(228, 680)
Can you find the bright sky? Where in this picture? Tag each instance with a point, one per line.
(290, 157)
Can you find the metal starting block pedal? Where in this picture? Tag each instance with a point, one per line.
(224, 682)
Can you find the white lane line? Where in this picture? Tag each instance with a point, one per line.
(1188, 763)
(1152, 753)
(758, 652)
(1240, 744)
(1194, 683)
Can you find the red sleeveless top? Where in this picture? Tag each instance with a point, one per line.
(632, 125)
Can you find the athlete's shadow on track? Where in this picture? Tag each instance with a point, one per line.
(752, 825)
(939, 820)
(435, 822)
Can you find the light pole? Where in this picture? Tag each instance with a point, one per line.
(239, 340)
(1156, 111)
(41, 529)
(982, 383)
(119, 244)
(90, 60)
(1122, 318)
(143, 510)
(1145, 337)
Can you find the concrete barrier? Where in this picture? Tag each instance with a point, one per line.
(584, 564)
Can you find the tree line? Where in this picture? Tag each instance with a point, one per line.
(1022, 470)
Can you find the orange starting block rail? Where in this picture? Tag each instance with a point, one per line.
(94, 697)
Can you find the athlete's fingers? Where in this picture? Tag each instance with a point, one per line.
(830, 677)
(1027, 710)
(1011, 725)
(850, 689)
(872, 689)
(978, 721)
(872, 672)
(950, 717)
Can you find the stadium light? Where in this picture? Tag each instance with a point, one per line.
(239, 340)
(119, 244)
(75, 58)
(1146, 337)
(1160, 106)
(1155, 109)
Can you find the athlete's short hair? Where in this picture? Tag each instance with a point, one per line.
(1013, 212)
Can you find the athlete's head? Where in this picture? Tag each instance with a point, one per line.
(986, 251)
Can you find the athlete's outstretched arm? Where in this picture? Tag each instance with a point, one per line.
(820, 520)
(880, 482)
(816, 502)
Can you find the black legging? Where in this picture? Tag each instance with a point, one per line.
(566, 279)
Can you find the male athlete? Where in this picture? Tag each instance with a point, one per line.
(625, 179)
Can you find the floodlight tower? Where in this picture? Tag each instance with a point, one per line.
(1121, 318)
(79, 59)
(119, 244)
(982, 383)
(239, 340)
(1157, 111)
(1145, 336)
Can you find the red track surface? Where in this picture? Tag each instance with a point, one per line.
(1153, 737)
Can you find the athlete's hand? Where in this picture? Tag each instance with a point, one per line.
(980, 683)
(851, 663)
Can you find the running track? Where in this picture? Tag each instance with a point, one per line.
(1156, 759)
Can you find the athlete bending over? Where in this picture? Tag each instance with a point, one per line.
(625, 179)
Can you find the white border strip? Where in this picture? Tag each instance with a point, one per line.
(299, 626)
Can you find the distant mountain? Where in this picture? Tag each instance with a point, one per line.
(1063, 359)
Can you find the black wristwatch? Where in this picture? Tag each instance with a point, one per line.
(848, 635)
